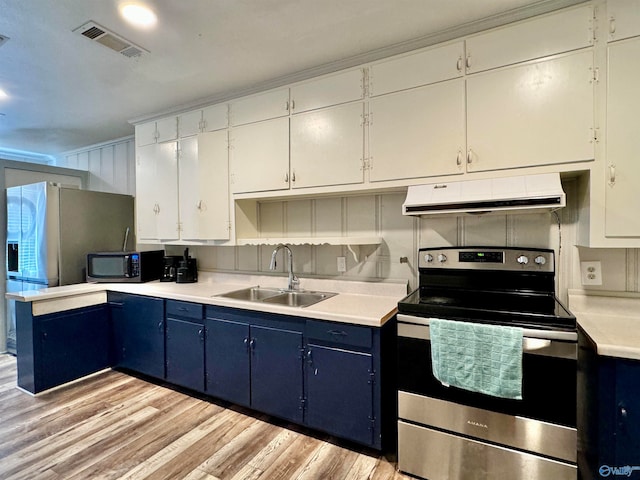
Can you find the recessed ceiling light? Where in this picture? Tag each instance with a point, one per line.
(3, 94)
(138, 15)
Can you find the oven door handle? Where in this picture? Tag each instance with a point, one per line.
(531, 345)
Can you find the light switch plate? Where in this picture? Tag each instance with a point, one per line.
(342, 264)
(591, 273)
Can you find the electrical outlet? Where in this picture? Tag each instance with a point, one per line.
(591, 273)
(342, 264)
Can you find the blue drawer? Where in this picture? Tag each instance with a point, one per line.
(339, 333)
(189, 310)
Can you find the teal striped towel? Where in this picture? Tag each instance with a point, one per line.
(478, 357)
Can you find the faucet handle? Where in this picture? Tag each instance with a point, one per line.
(295, 282)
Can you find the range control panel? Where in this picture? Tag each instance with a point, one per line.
(487, 258)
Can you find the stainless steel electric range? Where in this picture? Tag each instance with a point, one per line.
(448, 433)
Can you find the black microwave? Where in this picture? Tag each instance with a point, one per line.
(104, 267)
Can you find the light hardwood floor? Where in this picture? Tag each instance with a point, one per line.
(116, 426)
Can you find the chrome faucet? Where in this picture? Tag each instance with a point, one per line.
(293, 280)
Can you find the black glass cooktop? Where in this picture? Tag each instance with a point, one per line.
(529, 310)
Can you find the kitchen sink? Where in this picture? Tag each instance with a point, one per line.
(278, 296)
(298, 299)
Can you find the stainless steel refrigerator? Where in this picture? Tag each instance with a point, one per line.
(50, 230)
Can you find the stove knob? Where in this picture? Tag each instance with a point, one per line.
(442, 258)
(522, 260)
(428, 258)
(540, 260)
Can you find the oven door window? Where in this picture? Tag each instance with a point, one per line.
(548, 385)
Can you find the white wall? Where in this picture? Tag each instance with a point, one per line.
(111, 168)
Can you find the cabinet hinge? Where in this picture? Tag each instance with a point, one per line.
(365, 82)
(596, 135)
(372, 377)
(595, 75)
(229, 225)
(372, 423)
(303, 403)
(366, 119)
(366, 163)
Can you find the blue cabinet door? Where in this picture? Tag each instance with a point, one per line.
(185, 353)
(276, 372)
(72, 344)
(227, 360)
(138, 333)
(627, 414)
(339, 395)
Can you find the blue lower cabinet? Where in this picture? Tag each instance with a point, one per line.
(137, 327)
(255, 359)
(276, 372)
(57, 348)
(228, 371)
(339, 392)
(185, 354)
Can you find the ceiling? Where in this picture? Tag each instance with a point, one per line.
(65, 92)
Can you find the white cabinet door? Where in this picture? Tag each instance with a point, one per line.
(215, 117)
(418, 133)
(538, 37)
(167, 129)
(327, 146)
(190, 123)
(259, 156)
(624, 19)
(415, 69)
(272, 104)
(326, 91)
(157, 192)
(145, 199)
(204, 187)
(145, 134)
(537, 113)
(623, 140)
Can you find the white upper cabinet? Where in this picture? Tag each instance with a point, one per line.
(208, 119)
(415, 69)
(204, 187)
(157, 192)
(418, 133)
(327, 146)
(624, 19)
(623, 142)
(259, 156)
(163, 130)
(263, 106)
(558, 32)
(536, 113)
(326, 91)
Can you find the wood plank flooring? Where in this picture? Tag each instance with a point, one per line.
(116, 426)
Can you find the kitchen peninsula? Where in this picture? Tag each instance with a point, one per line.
(323, 366)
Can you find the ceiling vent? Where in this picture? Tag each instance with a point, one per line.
(3, 40)
(115, 42)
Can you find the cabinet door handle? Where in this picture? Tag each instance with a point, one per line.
(293, 104)
(338, 333)
(252, 344)
(286, 177)
(468, 61)
(293, 177)
(246, 344)
(286, 105)
(160, 326)
(469, 157)
(612, 25)
(612, 174)
(309, 357)
(459, 64)
(459, 158)
(201, 334)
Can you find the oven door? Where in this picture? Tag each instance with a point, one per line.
(543, 422)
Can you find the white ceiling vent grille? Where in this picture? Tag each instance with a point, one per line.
(115, 42)
(3, 40)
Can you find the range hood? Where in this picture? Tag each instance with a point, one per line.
(522, 194)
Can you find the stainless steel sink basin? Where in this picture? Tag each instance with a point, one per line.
(253, 294)
(298, 299)
(278, 296)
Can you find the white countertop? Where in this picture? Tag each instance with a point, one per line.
(610, 319)
(361, 303)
